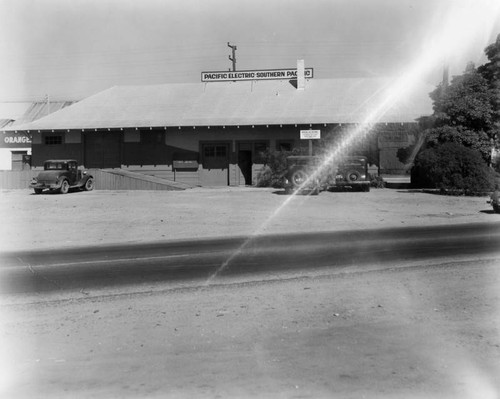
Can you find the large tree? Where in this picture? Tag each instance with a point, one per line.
(466, 111)
(491, 72)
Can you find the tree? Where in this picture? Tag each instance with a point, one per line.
(491, 72)
(466, 121)
(466, 110)
(466, 102)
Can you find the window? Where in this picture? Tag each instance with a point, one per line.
(55, 166)
(215, 151)
(53, 140)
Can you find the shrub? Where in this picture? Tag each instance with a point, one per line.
(377, 181)
(271, 175)
(453, 168)
(476, 140)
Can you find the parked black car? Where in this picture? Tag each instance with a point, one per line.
(353, 172)
(302, 174)
(61, 175)
(495, 201)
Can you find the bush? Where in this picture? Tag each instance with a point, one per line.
(271, 175)
(476, 140)
(454, 168)
(377, 181)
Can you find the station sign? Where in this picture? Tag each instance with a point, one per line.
(310, 134)
(261, 74)
(15, 140)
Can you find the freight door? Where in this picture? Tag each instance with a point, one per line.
(215, 165)
(102, 150)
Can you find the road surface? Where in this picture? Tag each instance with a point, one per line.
(210, 259)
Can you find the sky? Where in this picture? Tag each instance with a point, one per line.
(68, 50)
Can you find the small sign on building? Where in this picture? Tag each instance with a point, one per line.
(310, 134)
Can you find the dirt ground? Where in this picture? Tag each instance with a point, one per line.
(401, 333)
(427, 331)
(103, 217)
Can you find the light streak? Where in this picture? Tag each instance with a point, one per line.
(460, 27)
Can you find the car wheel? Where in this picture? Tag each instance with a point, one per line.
(353, 175)
(366, 188)
(496, 208)
(89, 184)
(298, 178)
(64, 187)
(38, 190)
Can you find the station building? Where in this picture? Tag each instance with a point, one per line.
(214, 133)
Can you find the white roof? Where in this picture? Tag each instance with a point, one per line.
(237, 103)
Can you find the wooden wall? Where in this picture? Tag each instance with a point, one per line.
(104, 180)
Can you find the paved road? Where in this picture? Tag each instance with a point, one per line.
(104, 266)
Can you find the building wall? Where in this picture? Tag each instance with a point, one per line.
(46, 146)
(392, 138)
(160, 151)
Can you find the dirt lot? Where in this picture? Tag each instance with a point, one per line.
(102, 217)
(429, 331)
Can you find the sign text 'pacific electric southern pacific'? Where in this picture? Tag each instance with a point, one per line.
(264, 74)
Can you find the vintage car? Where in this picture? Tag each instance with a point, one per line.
(353, 172)
(300, 174)
(308, 174)
(495, 201)
(61, 175)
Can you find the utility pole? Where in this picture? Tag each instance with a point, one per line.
(233, 58)
(446, 75)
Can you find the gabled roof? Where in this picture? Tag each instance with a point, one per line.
(40, 109)
(236, 103)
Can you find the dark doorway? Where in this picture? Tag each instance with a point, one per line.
(245, 165)
(102, 150)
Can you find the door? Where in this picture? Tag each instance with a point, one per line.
(18, 160)
(245, 165)
(215, 164)
(102, 150)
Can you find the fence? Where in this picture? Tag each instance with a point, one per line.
(16, 179)
(104, 180)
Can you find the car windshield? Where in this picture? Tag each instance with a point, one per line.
(55, 166)
(353, 162)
